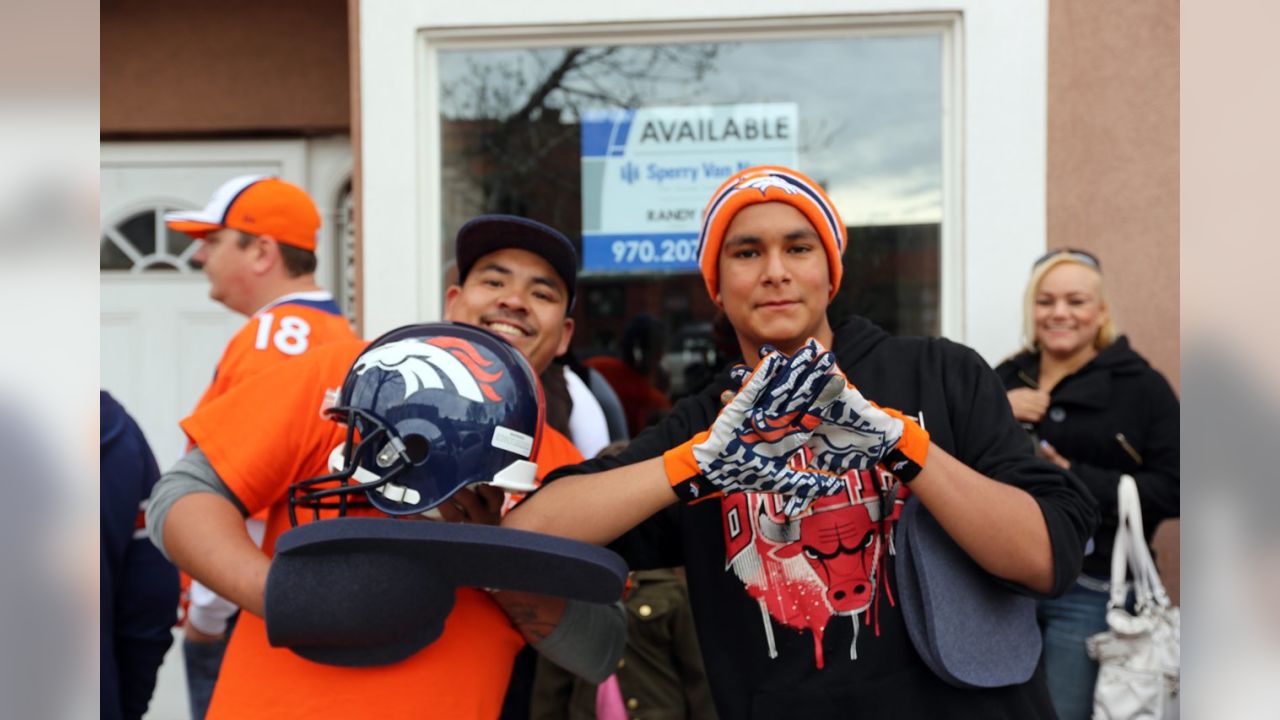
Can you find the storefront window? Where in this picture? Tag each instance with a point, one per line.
(559, 135)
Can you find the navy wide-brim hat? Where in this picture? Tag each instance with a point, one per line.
(489, 233)
(968, 627)
(362, 592)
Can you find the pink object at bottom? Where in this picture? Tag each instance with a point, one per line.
(609, 700)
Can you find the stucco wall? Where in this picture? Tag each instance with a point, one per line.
(1113, 172)
(1113, 157)
(226, 67)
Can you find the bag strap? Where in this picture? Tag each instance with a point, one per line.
(1131, 549)
(1119, 550)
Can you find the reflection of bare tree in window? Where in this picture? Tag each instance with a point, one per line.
(819, 132)
(510, 132)
(892, 278)
(820, 135)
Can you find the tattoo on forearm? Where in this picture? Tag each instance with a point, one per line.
(533, 618)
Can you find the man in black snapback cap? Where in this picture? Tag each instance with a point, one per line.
(516, 277)
(489, 233)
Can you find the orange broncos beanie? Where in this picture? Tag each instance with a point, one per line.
(769, 183)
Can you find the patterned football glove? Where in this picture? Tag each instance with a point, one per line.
(748, 446)
(855, 434)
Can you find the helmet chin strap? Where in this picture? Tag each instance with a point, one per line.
(518, 477)
(390, 491)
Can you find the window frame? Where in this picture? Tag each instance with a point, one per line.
(993, 136)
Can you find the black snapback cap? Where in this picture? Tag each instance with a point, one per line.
(485, 234)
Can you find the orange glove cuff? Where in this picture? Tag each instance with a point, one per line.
(908, 458)
(683, 472)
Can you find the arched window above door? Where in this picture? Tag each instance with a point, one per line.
(142, 243)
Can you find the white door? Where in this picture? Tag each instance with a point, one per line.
(161, 334)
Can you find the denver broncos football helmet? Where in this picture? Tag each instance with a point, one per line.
(429, 409)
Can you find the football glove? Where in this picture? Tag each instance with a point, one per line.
(855, 434)
(750, 444)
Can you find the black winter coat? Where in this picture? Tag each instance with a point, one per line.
(1116, 394)
(139, 588)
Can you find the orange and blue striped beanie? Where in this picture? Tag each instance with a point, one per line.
(769, 183)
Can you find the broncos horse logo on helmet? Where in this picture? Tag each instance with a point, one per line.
(429, 410)
(426, 367)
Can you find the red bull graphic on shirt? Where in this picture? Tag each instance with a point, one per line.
(826, 562)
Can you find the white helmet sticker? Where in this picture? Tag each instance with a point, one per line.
(512, 441)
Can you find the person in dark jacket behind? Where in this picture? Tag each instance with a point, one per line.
(1096, 408)
(139, 589)
(660, 675)
(792, 484)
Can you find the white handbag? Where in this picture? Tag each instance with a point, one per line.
(1138, 656)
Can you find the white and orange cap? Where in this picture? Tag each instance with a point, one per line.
(769, 183)
(258, 205)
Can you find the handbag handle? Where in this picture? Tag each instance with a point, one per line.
(1131, 548)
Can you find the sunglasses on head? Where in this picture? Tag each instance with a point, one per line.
(1081, 255)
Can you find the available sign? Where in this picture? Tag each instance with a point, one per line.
(648, 173)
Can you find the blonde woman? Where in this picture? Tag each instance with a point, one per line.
(1096, 408)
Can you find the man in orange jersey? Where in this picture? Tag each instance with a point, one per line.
(517, 279)
(257, 240)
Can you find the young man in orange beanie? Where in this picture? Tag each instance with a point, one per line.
(792, 482)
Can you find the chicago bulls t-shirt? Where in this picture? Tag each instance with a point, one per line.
(802, 619)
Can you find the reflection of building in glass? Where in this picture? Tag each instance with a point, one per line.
(892, 276)
(527, 168)
(510, 142)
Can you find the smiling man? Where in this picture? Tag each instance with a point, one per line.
(517, 280)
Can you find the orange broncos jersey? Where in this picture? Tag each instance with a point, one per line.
(283, 330)
(258, 449)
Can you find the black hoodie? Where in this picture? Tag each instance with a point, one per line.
(1115, 394)
(824, 604)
